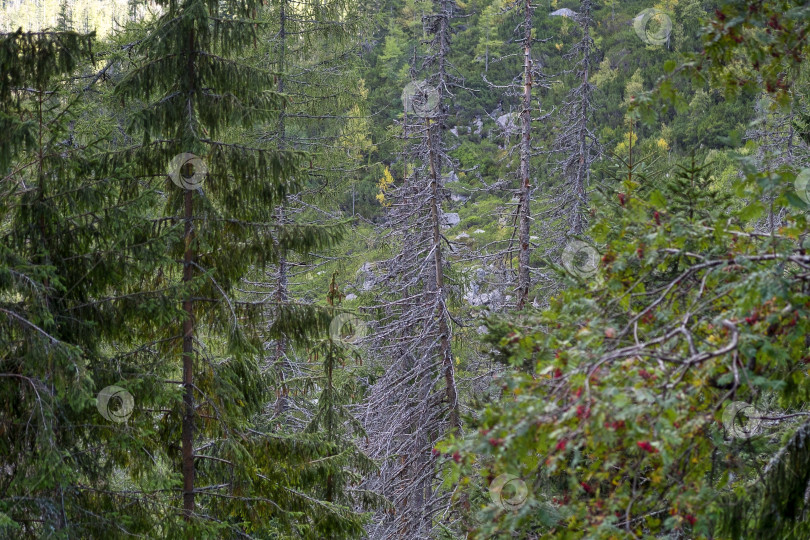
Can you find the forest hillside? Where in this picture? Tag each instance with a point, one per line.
(412, 269)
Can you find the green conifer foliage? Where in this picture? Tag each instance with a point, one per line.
(192, 86)
(72, 242)
(346, 464)
(690, 193)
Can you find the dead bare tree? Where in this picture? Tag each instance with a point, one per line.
(778, 144)
(524, 199)
(415, 400)
(313, 118)
(577, 146)
(524, 87)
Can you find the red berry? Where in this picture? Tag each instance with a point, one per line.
(647, 447)
(586, 487)
(690, 518)
(561, 445)
(646, 374)
(456, 457)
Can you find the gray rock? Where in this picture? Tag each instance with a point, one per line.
(454, 131)
(462, 236)
(479, 125)
(479, 231)
(450, 219)
(351, 296)
(564, 12)
(458, 197)
(366, 278)
(509, 123)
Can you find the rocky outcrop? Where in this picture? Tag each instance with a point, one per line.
(509, 123)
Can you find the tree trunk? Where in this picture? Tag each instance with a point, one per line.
(524, 218)
(188, 368)
(188, 337)
(438, 261)
(582, 167)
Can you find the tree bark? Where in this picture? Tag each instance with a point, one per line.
(524, 217)
(188, 336)
(188, 367)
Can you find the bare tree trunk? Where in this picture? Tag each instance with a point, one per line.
(583, 168)
(441, 309)
(575, 144)
(524, 216)
(415, 402)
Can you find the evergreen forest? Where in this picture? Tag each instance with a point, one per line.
(405, 269)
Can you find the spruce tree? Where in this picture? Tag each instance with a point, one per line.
(74, 238)
(576, 143)
(690, 194)
(313, 51)
(192, 86)
(345, 464)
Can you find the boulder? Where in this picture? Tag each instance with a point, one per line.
(564, 12)
(366, 278)
(479, 125)
(509, 123)
(450, 219)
